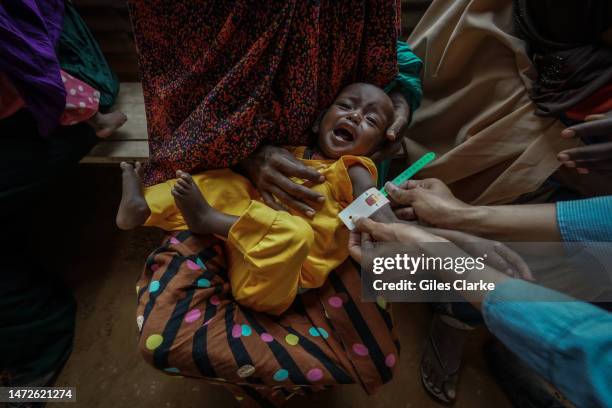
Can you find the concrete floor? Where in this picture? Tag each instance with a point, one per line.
(102, 264)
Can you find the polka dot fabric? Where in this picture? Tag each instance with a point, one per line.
(82, 101)
(221, 78)
(196, 330)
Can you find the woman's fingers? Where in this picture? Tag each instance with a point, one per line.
(366, 241)
(405, 213)
(292, 167)
(601, 129)
(401, 116)
(516, 262)
(596, 116)
(378, 231)
(590, 152)
(358, 243)
(297, 191)
(292, 202)
(389, 150)
(354, 245)
(399, 195)
(396, 127)
(271, 202)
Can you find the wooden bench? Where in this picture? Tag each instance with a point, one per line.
(130, 142)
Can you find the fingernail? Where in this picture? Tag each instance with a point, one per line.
(581, 170)
(569, 164)
(322, 178)
(389, 186)
(563, 156)
(568, 133)
(310, 213)
(321, 199)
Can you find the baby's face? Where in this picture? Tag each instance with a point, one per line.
(356, 122)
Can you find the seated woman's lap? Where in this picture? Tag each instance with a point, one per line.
(191, 326)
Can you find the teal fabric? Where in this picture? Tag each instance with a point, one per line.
(80, 56)
(408, 82)
(566, 341)
(587, 220)
(383, 172)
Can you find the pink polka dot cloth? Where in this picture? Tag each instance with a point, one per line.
(82, 101)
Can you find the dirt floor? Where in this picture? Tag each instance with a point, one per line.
(102, 264)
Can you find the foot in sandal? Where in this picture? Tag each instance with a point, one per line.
(442, 360)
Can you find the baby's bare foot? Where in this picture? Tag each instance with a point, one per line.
(133, 209)
(194, 207)
(107, 123)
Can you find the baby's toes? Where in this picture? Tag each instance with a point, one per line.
(186, 177)
(178, 191)
(182, 183)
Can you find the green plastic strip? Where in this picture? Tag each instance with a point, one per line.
(411, 171)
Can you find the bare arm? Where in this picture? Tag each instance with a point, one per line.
(362, 180)
(431, 202)
(536, 222)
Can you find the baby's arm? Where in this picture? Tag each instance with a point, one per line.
(362, 180)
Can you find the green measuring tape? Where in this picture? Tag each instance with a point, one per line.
(411, 171)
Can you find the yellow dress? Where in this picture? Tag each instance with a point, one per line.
(271, 253)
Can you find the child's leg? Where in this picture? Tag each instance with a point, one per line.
(200, 217)
(266, 252)
(133, 209)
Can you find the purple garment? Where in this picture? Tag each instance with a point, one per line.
(29, 31)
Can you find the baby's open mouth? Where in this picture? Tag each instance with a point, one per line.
(344, 132)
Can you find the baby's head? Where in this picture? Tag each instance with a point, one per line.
(356, 122)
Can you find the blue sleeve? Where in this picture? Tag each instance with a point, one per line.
(408, 80)
(586, 220)
(566, 341)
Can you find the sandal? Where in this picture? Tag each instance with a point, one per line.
(448, 375)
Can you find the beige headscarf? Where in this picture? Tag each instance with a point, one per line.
(476, 112)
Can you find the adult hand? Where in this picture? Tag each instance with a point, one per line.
(430, 201)
(401, 120)
(597, 156)
(396, 232)
(499, 256)
(269, 169)
(359, 242)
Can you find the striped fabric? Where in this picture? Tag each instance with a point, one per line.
(190, 326)
(586, 220)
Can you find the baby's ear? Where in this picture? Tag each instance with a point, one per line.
(317, 123)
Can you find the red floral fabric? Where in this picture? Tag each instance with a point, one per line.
(221, 78)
